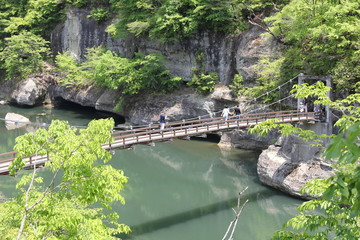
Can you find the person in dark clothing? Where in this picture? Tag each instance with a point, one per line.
(162, 120)
(237, 112)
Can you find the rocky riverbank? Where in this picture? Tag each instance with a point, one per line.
(282, 163)
(285, 163)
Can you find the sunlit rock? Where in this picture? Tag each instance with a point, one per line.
(32, 91)
(291, 163)
(13, 121)
(244, 140)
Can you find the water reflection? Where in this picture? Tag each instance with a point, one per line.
(192, 214)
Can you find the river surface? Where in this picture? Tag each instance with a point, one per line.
(181, 189)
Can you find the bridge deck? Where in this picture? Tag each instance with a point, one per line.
(128, 138)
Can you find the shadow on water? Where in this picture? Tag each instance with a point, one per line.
(214, 138)
(192, 214)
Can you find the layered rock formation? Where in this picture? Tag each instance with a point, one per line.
(291, 162)
(225, 54)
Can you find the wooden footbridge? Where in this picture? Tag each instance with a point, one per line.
(184, 129)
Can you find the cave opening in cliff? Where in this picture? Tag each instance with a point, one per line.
(95, 114)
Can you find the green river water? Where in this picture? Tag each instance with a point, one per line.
(183, 189)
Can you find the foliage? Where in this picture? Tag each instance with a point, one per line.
(336, 214)
(104, 68)
(63, 207)
(37, 16)
(346, 73)
(204, 83)
(237, 86)
(268, 69)
(174, 20)
(74, 75)
(309, 136)
(347, 107)
(23, 54)
(99, 14)
(321, 36)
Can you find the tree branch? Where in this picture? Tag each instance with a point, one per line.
(233, 223)
(266, 29)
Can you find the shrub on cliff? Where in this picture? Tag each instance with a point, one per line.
(105, 68)
(23, 54)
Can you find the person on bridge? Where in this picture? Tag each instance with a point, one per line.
(225, 113)
(237, 112)
(162, 120)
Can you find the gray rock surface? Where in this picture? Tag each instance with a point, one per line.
(240, 138)
(184, 104)
(288, 165)
(14, 120)
(144, 108)
(224, 54)
(31, 91)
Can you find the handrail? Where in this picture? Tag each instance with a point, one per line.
(151, 126)
(204, 121)
(134, 128)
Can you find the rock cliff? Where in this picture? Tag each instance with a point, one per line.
(225, 54)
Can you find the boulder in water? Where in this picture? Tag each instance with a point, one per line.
(13, 121)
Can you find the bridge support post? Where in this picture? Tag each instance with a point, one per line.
(328, 117)
(301, 80)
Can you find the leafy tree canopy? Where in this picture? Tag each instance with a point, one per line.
(23, 54)
(64, 207)
(173, 20)
(322, 37)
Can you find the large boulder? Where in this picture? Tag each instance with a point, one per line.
(291, 163)
(14, 120)
(32, 91)
(240, 138)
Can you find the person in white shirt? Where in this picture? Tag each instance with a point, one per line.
(225, 113)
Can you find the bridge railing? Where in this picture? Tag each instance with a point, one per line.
(267, 115)
(249, 119)
(207, 124)
(6, 157)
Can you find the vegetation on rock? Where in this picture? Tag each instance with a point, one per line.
(23, 54)
(318, 38)
(144, 73)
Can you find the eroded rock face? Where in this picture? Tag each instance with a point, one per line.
(183, 104)
(244, 140)
(288, 165)
(224, 54)
(144, 109)
(101, 99)
(31, 91)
